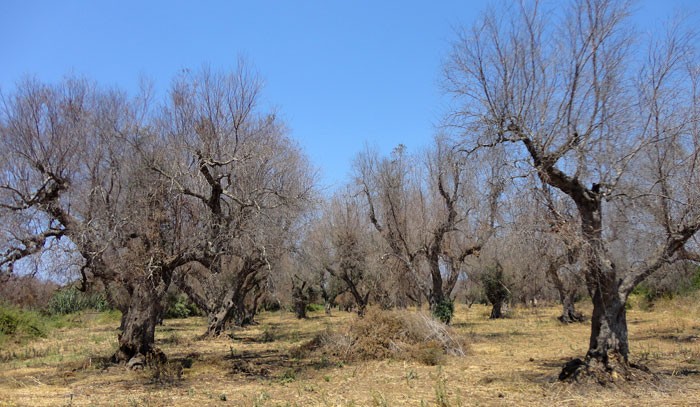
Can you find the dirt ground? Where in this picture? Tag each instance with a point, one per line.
(514, 361)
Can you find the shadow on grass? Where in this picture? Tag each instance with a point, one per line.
(273, 365)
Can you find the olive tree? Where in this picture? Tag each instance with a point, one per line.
(343, 249)
(247, 181)
(605, 119)
(74, 173)
(432, 217)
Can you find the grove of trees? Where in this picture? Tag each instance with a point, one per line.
(568, 166)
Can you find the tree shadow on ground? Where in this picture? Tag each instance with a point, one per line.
(273, 365)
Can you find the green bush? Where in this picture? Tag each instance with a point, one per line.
(178, 305)
(70, 300)
(20, 324)
(8, 323)
(444, 310)
(694, 283)
(315, 307)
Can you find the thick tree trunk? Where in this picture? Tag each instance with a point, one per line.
(497, 310)
(233, 310)
(360, 300)
(327, 306)
(139, 324)
(607, 359)
(569, 314)
(300, 308)
(242, 315)
(301, 299)
(436, 295)
(608, 344)
(218, 318)
(567, 295)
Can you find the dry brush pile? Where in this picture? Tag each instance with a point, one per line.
(401, 335)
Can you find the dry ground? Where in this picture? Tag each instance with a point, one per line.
(513, 361)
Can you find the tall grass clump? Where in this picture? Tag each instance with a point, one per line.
(69, 300)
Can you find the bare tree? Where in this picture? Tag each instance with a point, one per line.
(341, 246)
(207, 184)
(247, 179)
(559, 90)
(560, 242)
(72, 176)
(462, 217)
(391, 187)
(432, 218)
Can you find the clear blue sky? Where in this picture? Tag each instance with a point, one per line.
(342, 73)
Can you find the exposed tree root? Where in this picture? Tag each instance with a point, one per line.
(572, 317)
(614, 371)
(138, 360)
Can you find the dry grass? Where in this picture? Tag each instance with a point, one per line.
(511, 362)
(381, 335)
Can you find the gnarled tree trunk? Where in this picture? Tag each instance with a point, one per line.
(139, 323)
(497, 309)
(567, 297)
(300, 298)
(568, 313)
(608, 343)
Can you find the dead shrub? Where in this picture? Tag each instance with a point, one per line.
(388, 334)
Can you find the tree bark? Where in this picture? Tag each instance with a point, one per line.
(437, 296)
(567, 293)
(608, 342)
(301, 299)
(497, 310)
(139, 323)
(217, 319)
(568, 313)
(232, 308)
(360, 300)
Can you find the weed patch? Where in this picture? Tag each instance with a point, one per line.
(20, 325)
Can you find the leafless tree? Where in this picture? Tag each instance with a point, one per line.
(72, 175)
(342, 248)
(206, 184)
(461, 209)
(390, 186)
(433, 217)
(248, 181)
(561, 92)
(560, 243)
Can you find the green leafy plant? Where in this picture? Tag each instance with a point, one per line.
(178, 305)
(70, 300)
(444, 310)
(21, 324)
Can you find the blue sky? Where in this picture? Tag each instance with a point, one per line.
(341, 73)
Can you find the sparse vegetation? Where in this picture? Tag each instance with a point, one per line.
(504, 365)
(566, 166)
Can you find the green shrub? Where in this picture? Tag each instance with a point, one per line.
(444, 310)
(315, 307)
(69, 300)
(21, 324)
(694, 283)
(178, 305)
(8, 323)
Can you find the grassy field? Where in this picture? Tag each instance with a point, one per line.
(514, 361)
